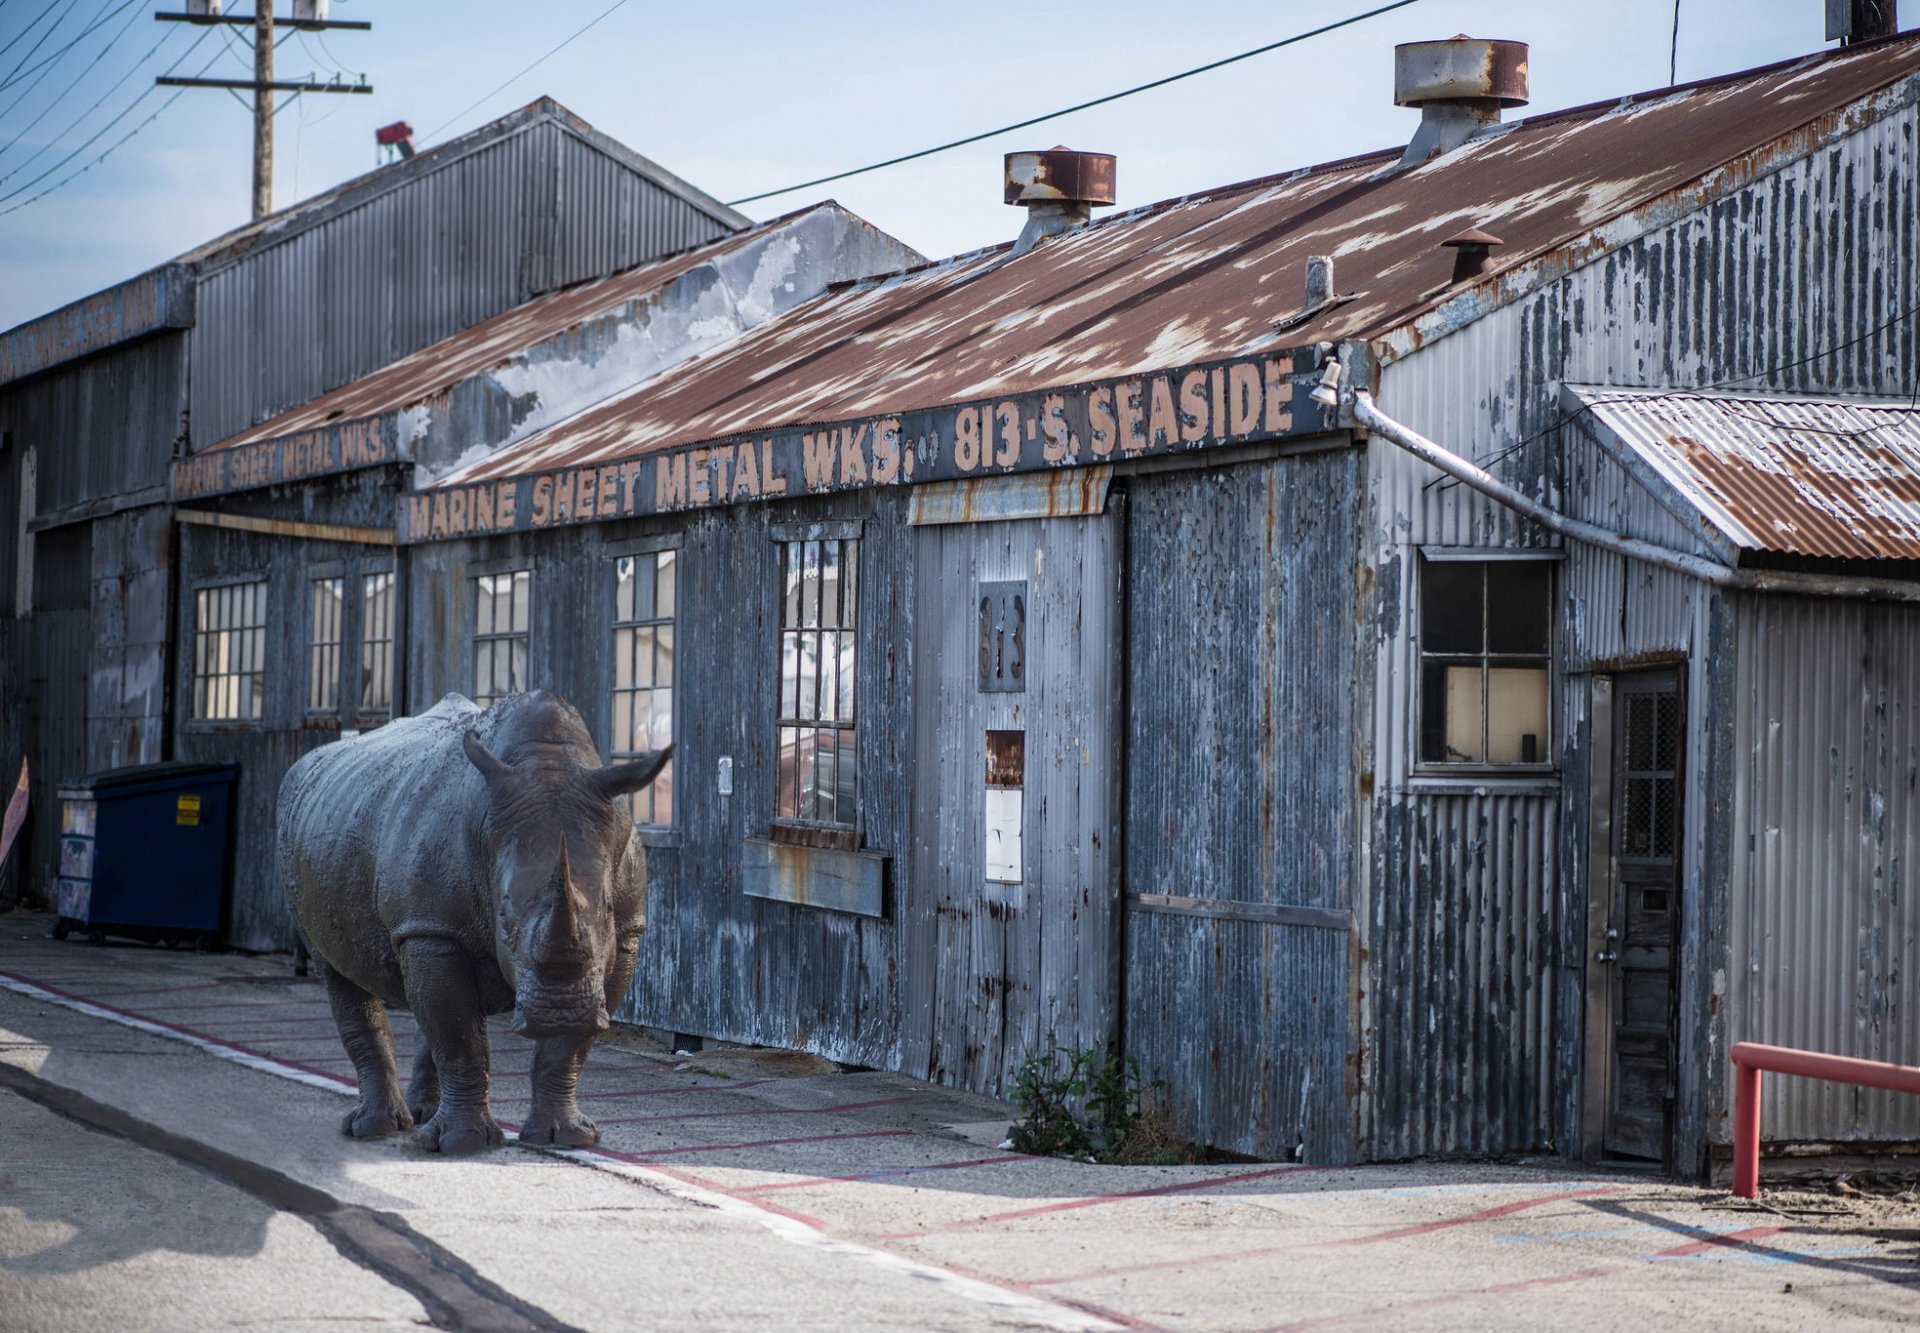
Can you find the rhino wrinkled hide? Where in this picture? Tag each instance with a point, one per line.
(459, 864)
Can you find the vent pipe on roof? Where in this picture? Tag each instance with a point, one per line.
(1058, 188)
(1460, 85)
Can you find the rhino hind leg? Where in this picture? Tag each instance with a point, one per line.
(555, 1116)
(423, 1089)
(362, 1021)
(446, 1003)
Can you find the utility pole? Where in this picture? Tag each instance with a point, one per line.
(262, 109)
(308, 16)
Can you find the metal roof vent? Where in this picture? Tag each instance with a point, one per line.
(1058, 188)
(1472, 253)
(1459, 85)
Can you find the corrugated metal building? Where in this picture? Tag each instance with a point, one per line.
(97, 399)
(1042, 656)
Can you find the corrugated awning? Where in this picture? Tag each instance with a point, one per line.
(1779, 474)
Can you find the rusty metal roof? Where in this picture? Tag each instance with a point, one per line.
(423, 376)
(1209, 276)
(1779, 474)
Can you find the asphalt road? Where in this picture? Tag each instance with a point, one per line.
(170, 1158)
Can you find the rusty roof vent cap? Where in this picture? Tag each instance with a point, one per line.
(1058, 188)
(1472, 253)
(1059, 175)
(1460, 85)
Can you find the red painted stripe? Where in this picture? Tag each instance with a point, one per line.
(1096, 1201)
(202, 1036)
(1464, 1219)
(647, 1158)
(285, 1020)
(1054, 1298)
(1268, 1251)
(251, 1005)
(674, 1091)
(883, 1175)
(1729, 1240)
(759, 1110)
(686, 1177)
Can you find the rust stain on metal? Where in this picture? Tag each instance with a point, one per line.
(1206, 277)
(1827, 478)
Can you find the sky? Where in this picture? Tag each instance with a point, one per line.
(755, 95)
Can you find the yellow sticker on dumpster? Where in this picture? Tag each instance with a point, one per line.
(187, 810)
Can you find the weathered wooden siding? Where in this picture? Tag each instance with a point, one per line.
(715, 962)
(1245, 746)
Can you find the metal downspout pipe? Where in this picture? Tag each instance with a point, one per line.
(1361, 406)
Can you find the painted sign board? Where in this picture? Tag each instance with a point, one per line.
(1215, 404)
(338, 446)
(157, 300)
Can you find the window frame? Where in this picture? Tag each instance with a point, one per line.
(1553, 559)
(335, 572)
(651, 830)
(495, 569)
(367, 570)
(848, 835)
(196, 717)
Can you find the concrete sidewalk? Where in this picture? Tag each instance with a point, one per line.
(895, 1191)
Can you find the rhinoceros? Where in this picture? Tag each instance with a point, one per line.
(459, 864)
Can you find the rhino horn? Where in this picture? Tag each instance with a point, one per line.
(622, 779)
(565, 938)
(491, 766)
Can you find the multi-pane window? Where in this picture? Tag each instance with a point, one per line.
(643, 611)
(376, 643)
(1485, 661)
(325, 618)
(817, 763)
(230, 651)
(500, 635)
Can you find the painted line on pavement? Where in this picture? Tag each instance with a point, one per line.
(649, 1155)
(1095, 1201)
(888, 1174)
(1372, 1238)
(769, 1110)
(788, 1226)
(241, 1055)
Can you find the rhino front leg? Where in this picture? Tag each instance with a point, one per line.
(555, 1115)
(423, 1089)
(362, 1021)
(441, 993)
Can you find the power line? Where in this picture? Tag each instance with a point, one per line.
(536, 64)
(37, 45)
(98, 56)
(78, 120)
(1067, 111)
(101, 131)
(85, 33)
(21, 36)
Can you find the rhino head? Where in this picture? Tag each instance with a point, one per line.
(562, 864)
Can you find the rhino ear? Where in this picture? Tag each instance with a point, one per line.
(491, 766)
(622, 779)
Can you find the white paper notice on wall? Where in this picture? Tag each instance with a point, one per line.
(1003, 834)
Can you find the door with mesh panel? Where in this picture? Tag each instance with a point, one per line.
(1643, 931)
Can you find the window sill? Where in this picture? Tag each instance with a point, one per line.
(1543, 783)
(854, 882)
(653, 836)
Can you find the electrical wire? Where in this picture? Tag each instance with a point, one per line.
(85, 33)
(1673, 51)
(51, 61)
(76, 122)
(1082, 106)
(128, 110)
(535, 65)
(22, 34)
(13, 73)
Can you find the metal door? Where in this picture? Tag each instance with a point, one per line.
(1639, 941)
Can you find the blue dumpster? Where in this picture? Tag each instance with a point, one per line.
(144, 851)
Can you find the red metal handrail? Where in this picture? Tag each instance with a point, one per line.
(1750, 1058)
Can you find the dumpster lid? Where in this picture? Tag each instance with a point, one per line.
(121, 777)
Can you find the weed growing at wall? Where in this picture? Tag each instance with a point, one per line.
(1093, 1106)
